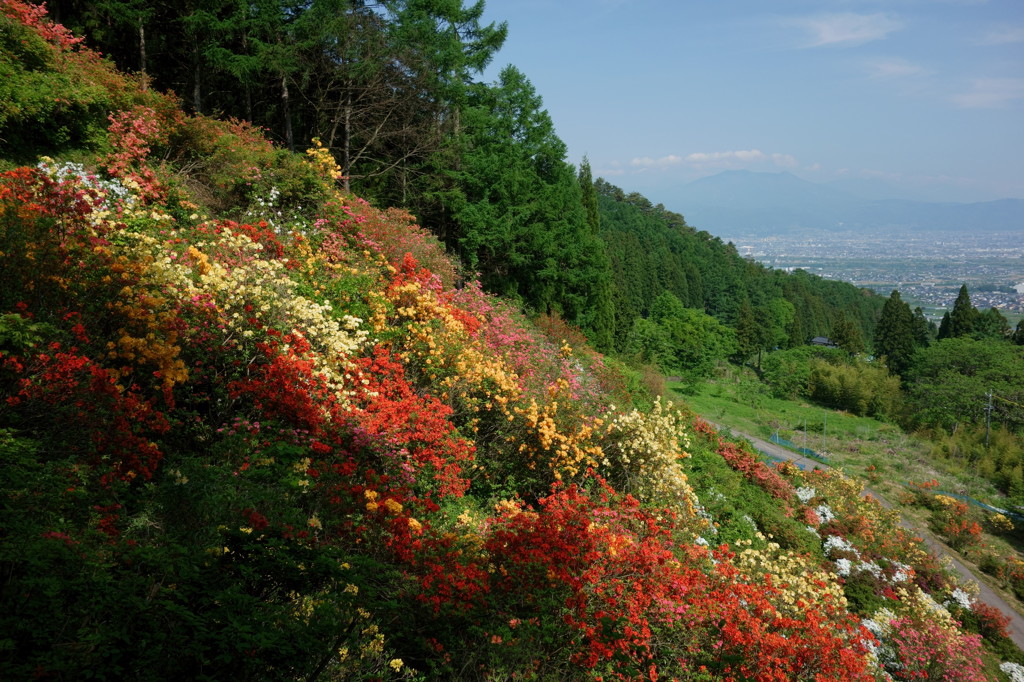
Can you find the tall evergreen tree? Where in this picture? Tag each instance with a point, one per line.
(519, 209)
(991, 324)
(846, 335)
(747, 333)
(894, 335)
(586, 180)
(963, 317)
(924, 330)
(944, 326)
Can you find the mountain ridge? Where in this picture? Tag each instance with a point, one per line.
(761, 204)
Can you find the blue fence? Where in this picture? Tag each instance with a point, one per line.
(807, 452)
(977, 503)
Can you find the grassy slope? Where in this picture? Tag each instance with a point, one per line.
(876, 452)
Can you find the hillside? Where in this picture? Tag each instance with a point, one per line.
(654, 252)
(256, 427)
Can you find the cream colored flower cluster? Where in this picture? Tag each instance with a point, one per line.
(800, 580)
(644, 451)
(227, 275)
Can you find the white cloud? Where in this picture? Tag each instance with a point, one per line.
(740, 157)
(737, 158)
(745, 156)
(893, 68)
(1004, 35)
(648, 162)
(846, 28)
(990, 93)
(785, 160)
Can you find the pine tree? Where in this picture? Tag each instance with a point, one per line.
(991, 324)
(586, 180)
(944, 326)
(964, 316)
(846, 335)
(924, 330)
(747, 333)
(894, 335)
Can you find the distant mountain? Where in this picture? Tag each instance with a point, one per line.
(758, 204)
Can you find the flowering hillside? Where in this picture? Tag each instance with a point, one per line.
(255, 428)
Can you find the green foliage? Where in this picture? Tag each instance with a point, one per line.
(833, 378)
(682, 341)
(847, 336)
(788, 372)
(653, 250)
(856, 387)
(45, 107)
(963, 318)
(741, 509)
(520, 212)
(861, 591)
(20, 334)
(949, 382)
(894, 336)
(991, 324)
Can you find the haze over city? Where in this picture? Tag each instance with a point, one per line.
(925, 96)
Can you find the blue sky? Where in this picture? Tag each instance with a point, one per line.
(926, 95)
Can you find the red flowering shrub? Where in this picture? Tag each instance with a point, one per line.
(416, 426)
(132, 135)
(288, 387)
(109, 424)
(926, 651)
(742, 460)
(590, 579)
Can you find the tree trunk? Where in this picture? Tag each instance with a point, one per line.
(197, 99)
(142, 50)
(346, 141)
(289, 136)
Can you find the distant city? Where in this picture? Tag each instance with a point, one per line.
(927, 269)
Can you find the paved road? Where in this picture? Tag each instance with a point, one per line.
(985, 593)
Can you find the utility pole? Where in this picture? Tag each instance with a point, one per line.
(824, 430)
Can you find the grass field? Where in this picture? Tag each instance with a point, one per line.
(878, 453)
(861, 446)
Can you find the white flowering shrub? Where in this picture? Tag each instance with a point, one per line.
(643, 454)
(1014, 671)
(805, 494)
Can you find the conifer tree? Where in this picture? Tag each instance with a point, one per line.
(747, 333)
(924, 330)
(586, 180)
(944, 326)
(964, 316)
(846, 335)
(894, 335)
(991, 324)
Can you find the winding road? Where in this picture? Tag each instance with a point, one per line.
(985, 593)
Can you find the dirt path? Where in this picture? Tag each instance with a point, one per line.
(985, 593)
